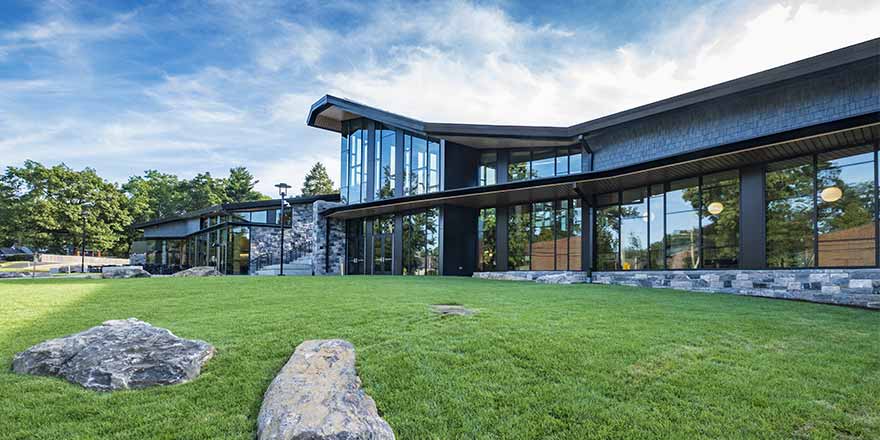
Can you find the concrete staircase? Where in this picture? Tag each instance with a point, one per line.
(300, 266)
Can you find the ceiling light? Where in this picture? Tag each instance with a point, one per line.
(715, 208)
(831, 194)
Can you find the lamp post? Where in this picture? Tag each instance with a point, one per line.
(282, 190)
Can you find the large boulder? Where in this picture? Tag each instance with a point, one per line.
(115, 272)
(317, 395)
(199, 271)
(118, 354)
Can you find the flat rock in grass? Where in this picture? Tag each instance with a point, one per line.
(317, 395)
(118, 354)
(199, 271)
(451, 309)
(124, 272)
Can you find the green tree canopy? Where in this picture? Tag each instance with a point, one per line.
(317, 181)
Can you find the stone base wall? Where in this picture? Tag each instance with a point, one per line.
(538, 276)
(851, 287)
(321, 247)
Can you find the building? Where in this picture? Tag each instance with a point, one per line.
(236, 238)
(764, 185)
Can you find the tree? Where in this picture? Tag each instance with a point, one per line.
(46, 206)
(203, 191)
(317, 181)
(240, 186)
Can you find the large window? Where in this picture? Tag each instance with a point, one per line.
(421, 165)
(685, 224)
(355, 139)
(386, 166)
(541, 162)
(488, 167)
(544, 236)
(239, 251)
(820, 210)
(383, 228)
(486, 240)
(421, 244)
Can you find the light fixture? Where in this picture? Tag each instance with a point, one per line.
(831, 194)
(715, 208)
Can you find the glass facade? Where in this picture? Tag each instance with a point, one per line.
(539, 163)
(821, 210)
(486, 240)
(684, 224)
(422, 165)
(421, 242)
(488, 168)
(545, 236)
(386, 166)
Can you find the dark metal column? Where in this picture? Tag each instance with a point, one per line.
(501, 215)
(752, 226)
(397, 246)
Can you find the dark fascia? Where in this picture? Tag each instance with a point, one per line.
(573, 179)
(227, 207)
(839, 57)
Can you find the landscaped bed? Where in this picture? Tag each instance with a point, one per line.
(534, 361)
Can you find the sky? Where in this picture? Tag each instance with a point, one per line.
(192, 86)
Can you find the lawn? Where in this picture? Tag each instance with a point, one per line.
(537, 361)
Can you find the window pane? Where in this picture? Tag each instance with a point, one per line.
(486, 240)
(432, 241)
(789, 193)
(543, 163)
(845, 198)
(575, 160)
(543, 243)
(562, 161)
(655, 226)
(519, 225)
(488, 164)
(683, 195)
(420, 164)
(607, 237)
(682, 236)
(259, 216)
(563, 226)
(720, 220)
(518, 168)
(634, 229)
(343, 179)
(574, 254)
(385, 160)
(409, 183)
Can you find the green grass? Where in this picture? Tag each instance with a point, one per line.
(537, 361)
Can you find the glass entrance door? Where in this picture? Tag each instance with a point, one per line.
(382, 254)
(354, 252)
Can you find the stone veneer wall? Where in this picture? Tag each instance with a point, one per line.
(851, 287)
(300, 235)
(336, 243)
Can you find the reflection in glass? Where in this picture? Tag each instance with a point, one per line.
(846, 214)
(518, 168)
(383, 228)
(789, 197)
(720, 220)
(576, 232)
(486, 240)
(656, 218)
(543, 163)
(518, 230)
(608, 237)
(386, 168)
(634, 229)
(542, 241)
(563, 234)
(683, 224)
(488, 166)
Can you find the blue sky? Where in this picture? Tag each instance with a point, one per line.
(185, 86)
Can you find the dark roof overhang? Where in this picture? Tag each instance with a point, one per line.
(847, 132)
(329, 112)
(239, 206)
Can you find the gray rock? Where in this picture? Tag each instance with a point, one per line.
(563, 278)
(451, 309)
(12, 275)
(317, 395)
(124, 272)
(118, 354)
(199, 271)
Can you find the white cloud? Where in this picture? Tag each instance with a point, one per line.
(452, 62)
